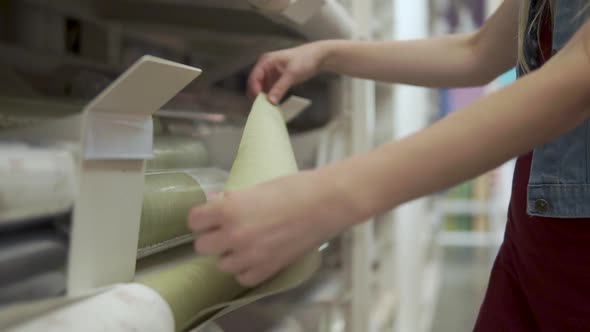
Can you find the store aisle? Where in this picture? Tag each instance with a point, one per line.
(465, 274)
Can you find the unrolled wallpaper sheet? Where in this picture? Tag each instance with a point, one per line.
(196, 290)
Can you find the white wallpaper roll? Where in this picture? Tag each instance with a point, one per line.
(124, 308)
(35, 182)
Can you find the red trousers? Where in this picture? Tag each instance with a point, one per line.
(540, 280)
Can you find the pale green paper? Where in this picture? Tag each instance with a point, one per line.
(167, 201)
(196, 290)
(177, 152)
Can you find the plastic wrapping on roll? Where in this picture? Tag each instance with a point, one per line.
(177, 152)
(196, 290)
(168, 198)
(35, 183)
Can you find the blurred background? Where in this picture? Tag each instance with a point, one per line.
(422, 267)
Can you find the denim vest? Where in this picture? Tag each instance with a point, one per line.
(559, 184)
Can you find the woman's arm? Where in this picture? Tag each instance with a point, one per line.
(456, 60)
(460, 60)
(260, 231)
(535, 110)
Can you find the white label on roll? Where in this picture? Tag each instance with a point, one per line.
(118, 136)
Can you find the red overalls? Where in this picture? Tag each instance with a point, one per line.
(540, 280)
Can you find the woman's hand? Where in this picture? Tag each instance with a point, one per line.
(258, 232)
(277, 71)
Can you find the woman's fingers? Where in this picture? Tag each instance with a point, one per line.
(207, 217)
(213, 243)
(260, 78)
(257, 274)
(280, 87)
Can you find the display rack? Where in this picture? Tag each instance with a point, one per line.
(98, 212)
(390, 266)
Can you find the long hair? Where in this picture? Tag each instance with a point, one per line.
(525, 26)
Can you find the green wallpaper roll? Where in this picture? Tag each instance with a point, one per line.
(191, 287)
(196, 290)
(167, 201)
(177, 152)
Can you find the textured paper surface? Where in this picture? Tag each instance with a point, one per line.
(167, 201)
(196, 290)
(174, 152)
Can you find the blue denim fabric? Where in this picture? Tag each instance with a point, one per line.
(559, 185)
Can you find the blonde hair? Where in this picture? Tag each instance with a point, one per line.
(525, 27)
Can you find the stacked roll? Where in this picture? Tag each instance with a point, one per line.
(37, 186)
(177, 179)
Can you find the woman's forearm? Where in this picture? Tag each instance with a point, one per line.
(531, 112)
(451, 61)
(407, 62)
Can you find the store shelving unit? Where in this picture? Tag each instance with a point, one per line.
(120, 31)
(390, 266)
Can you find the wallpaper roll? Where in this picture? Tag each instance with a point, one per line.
(123, 308)
(177, 152)
(26, 254)
(167, 201)
(196, 290)
(23, 112)
(168, 198)
(35, 183)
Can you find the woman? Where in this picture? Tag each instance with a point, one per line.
(541, 278)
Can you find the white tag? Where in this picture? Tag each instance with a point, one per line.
(118, 136)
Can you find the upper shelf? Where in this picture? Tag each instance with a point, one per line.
(220, 36)
(75, 48)
(311, 19)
